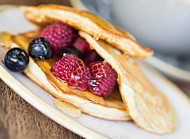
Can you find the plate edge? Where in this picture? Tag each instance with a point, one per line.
(44, 108)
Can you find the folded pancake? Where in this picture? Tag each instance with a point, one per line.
(147, 106)
(111, 108)
(90, 23)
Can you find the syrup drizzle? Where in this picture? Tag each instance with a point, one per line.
(67, 108)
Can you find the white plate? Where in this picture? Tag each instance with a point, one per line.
(169, 70)
(87, 126)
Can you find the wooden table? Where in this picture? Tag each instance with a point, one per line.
(18, 119)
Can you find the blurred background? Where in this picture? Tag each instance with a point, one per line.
(34, 2)
(162, 25)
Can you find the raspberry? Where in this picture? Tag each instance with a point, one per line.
(103, 79)
(59, 35)
(81, 44)
(73, 71)
(90, 57)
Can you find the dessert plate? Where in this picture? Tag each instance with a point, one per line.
(13, 21)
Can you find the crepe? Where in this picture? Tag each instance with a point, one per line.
(110, 108)
(147, 106)
(90, 23)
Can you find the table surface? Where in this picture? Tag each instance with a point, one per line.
(18, 119)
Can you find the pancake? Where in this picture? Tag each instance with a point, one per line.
(147, 106)
(136, 98)
(110, 108)
(90, 23)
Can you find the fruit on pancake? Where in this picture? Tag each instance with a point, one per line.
(111, 108)
(73, 71)
(59, 35)
(72, 67)
(103, 78)
(70, 50)
(90, 56)
(40, 48)
(16, 60)
(81, 44)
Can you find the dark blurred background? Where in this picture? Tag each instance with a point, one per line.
(34, 2)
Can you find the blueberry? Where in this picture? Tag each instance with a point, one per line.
(100, 59)
(16, 60)
(70, 50)
(40, 48)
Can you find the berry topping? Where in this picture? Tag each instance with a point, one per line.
(90, 57)
(81, 44)
(103, 79)
(73, 71)
(40, 48)
(70, 50)
(16, 60)
(59, 35)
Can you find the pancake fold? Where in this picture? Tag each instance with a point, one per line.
(146, 105)
(82, 20)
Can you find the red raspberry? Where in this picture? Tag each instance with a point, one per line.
(59, 35)
(73, 71)
(81, 44)
(90, 57)
(103, 79)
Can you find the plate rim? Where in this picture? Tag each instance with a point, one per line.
(46, 109)
(64, 120)
(169, 69)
